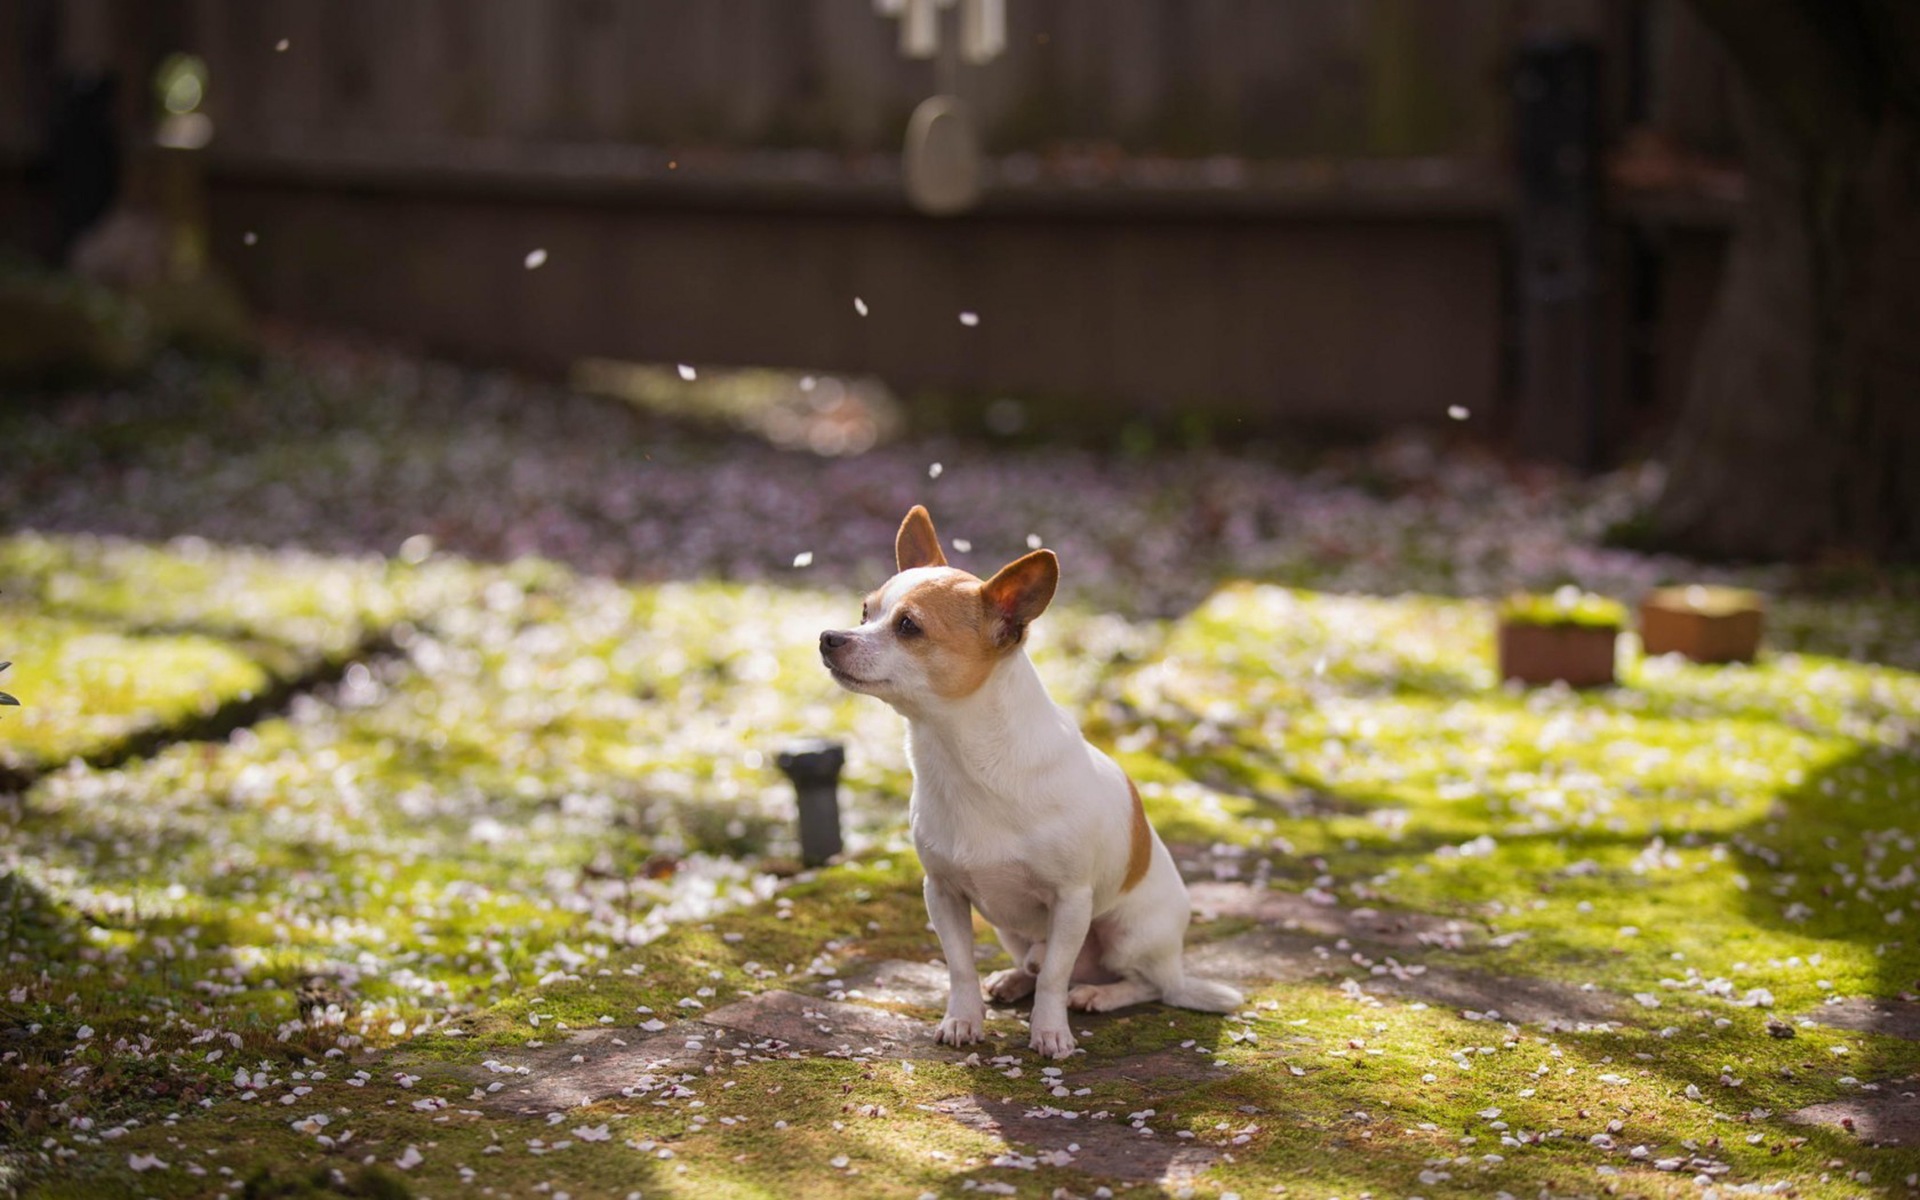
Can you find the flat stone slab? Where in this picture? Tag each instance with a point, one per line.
(1894, 1018)
(1263, 956)
(1154, 1069)
(1269, 956)
(615, 1061)
(598, 1064)
(1890, 1116)
(1504, 997)
(553, 1081)
(1294, 912)
(897, 981)
(1111, 1148)
(810, 1023)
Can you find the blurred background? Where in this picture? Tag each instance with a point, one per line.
(1228, 217)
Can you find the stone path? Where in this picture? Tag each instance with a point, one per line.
(1895, 1018)
(882, 1010)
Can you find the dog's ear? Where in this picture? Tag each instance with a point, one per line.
(1021, 591)
(917, 545)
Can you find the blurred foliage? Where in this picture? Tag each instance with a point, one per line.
(59, 330)
(56, 329)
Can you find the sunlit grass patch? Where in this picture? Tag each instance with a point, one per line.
(313, 602)
(88, 687)
(123, 646)
(1601, 833)
(549, 806)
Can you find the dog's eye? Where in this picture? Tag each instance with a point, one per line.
(906, 626)
(863, 614)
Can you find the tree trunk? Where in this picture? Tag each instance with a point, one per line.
(1800, 432)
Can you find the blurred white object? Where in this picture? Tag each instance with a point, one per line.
(942, 157)
(983, 30)
(983, 27)
(920, 29)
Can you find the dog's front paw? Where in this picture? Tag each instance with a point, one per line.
(960, 1029)
(1050, 1041)
(1005, 987)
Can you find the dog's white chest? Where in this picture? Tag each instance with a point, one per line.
(1010, 895)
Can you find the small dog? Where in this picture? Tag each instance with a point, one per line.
(1013, 812)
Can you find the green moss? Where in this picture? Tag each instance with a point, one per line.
(1566, 608)
(1708, 601)
(501, 836)
(84, 687)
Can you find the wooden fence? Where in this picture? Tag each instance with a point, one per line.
(1272, 212)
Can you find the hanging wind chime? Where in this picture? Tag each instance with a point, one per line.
(942, 153)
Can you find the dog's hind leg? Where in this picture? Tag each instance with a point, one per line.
(1105, 997)
(1016, 982)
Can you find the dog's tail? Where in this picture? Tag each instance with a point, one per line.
(1203, 995)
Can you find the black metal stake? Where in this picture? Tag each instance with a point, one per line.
(814, 768)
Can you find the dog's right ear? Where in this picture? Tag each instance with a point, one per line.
(917, 545)
(1021, 591)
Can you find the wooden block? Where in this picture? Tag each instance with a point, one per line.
(1578, 655)
(1705, 624)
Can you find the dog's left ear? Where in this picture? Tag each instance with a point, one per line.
(1021, 591)
(917, 545)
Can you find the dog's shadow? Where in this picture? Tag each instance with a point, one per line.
(1103, 1102)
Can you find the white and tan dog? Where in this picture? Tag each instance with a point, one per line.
(1013, 812)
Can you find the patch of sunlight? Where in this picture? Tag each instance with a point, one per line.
(83, 687)
(311, 603)
(1367, 736)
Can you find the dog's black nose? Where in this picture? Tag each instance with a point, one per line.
(833, 639)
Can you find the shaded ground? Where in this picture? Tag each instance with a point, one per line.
(484, 892)
(349, 452)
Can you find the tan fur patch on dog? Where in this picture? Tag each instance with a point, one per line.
(1140, 856)
(953, 616)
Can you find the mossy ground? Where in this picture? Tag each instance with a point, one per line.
(544, 807)
(302, 850)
